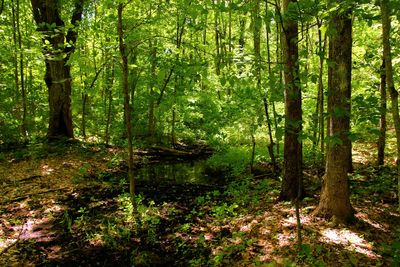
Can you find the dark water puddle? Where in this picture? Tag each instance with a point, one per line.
(178, 172)
(176, 181)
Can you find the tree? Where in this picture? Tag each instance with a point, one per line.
(59, 43)
(127, 110)
(382, 117)
(335, 197)
(394, 95)
(292, 168)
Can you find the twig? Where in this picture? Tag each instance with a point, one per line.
(4, 251)
(29, 178)
(32, 194)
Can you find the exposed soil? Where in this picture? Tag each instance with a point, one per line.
(63, 206)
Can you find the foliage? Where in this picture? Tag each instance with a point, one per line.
(235, 161)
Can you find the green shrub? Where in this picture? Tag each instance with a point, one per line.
(234, 161)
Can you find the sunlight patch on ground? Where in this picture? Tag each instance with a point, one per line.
(349, 239)
(96, 240)
(248, 227)
(363, 152)
(364, 217)
(394, 214)
(38, 229)
(291, 222)
(46, 170)
(6, 242)
(286, 239)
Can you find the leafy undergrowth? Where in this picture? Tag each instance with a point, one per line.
(68, 206)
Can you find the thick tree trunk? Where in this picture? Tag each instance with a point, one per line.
(394, 95)
(335, 196)
(58, 75)
(58, 81)
(292, 179)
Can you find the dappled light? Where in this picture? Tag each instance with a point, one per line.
(212, 224)
(364, 217)
(46, 170)
(203, 133)
(349, 240)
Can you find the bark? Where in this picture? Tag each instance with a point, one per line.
(257, 54)
(47, 15)
(320, 98)
(278, 59)
(21, 71)
(84, 102)
(265, 100)
(242, 42)
(382, 119)
(394, 95)
(109, 84)
(16, 70)
(335, 197)
(127, 111)
(151, 116)
(292, 168)
(180, 28)
(218, 56)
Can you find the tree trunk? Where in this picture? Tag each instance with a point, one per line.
(21, 72)
(335, 197)
(257, 54)
(382, 119)
(16, 71)
(109, 85)
(217, 27)
(84, 102)
(128, 121)
(292, 168)
(278, 53)
(58, 75)
(151, 116)
(394, 95)
(320, 98)
(265, 100)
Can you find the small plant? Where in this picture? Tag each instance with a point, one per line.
(80, 221)
(185, 227)
(223, 211)
(231, 250)
(66, 221)
(310, 255)
(82, 172)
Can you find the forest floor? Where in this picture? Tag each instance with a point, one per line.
(66, 205)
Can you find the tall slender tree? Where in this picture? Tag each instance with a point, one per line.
(335, 197)
(127, 110)
(394, 95)
(292, 168)
(382, 117)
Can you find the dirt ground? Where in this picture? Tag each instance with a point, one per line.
(63, 207)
